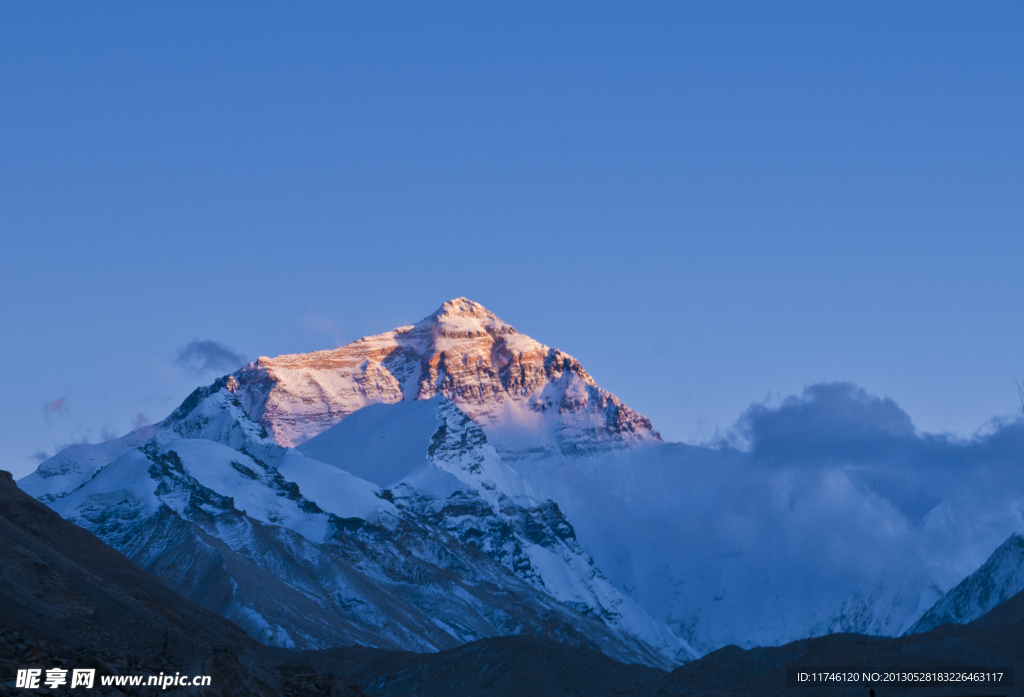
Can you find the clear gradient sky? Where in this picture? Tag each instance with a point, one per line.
(709, 204)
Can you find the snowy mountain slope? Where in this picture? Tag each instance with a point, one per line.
(148, 506)
(999, 579)
(211, 412)
(76, 464)
(381, 443)
(527, 397)
(460, 483)
(300, 552)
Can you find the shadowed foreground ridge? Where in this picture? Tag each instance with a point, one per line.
(67, 600)
(994, 640)
(66, 585)
(499, 667)
(510, 666)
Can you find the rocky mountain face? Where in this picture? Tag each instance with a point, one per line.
(527, 397)
(1000, 578)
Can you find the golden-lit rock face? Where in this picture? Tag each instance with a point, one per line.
(527, 397)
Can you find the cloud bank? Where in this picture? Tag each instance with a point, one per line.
(830, 499)
(873, 442)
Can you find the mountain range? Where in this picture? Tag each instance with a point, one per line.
(454, 480)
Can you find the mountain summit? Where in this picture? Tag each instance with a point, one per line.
(529, 398)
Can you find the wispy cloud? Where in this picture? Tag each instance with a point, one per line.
(57, 407)
(202, 356)
(323, 325)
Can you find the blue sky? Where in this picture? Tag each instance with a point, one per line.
(710, 205)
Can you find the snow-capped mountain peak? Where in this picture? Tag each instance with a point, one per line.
(529, 398)
(462, 314)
